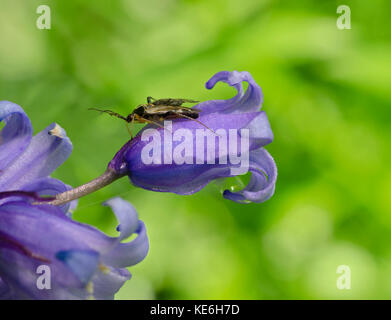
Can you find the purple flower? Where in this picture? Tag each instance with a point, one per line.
(44, 254)
(169, 159)
(26, 162)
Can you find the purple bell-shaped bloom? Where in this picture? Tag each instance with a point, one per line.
(44, 254)
(227, 140)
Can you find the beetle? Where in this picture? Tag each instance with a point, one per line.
(155, 111)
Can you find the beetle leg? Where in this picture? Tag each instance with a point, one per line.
(152, 122)
(131, 127)
(190, 118)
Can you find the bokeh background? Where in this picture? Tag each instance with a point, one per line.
(327, 96)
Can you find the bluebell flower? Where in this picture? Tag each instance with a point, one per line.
(191, 173)
(82, 262)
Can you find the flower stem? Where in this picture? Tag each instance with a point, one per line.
(109, 176)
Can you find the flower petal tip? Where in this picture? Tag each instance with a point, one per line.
(263, 180)
(126, 215)
(58, 131)
(16, 134)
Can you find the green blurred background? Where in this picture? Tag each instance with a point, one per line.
(327, 95)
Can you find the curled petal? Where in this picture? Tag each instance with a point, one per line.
(47, 150)
(263, 180)
(250, 101)
(127, 254)
(130, 253)
(126, 215)
(16, 135)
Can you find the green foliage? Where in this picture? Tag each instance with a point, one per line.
(327, 95)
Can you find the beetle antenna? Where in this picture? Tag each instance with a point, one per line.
(112, 113)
